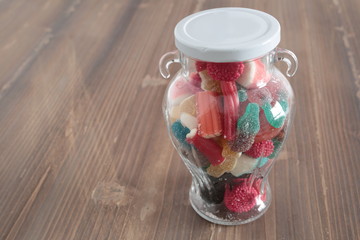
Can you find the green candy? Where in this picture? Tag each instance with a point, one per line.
(249, 122)
(180, 133)
(275, 119)
(262, 161)
(242, 95)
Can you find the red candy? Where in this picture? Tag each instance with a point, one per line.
(208, 147)
(266, 131)
(261, 149)
(225, 71)
(231, 108)
(200, 66)
(195, 79)
(240, 198)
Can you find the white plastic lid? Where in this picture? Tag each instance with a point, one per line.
(227, 34)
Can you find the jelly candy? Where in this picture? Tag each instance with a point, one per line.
(266, 131)
(174, 113)
(277, 146)
(188, 120)
(240, 197)
(228, 71)
(249, 122)
(262, 161)
(227, 165)
(242, 95)
(209, 84)
(244, 164)
(180, 90)
(231, 108)
(254, 75)
(259, 96)
(180, 132)
(188, 105)
(275, 115)
(208, 114)
(208, 147)
(260, 149)
(242, 142)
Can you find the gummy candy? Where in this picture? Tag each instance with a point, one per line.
(275, 114)
(254, 75)
(174, 113)
(277, 146)
(180, 90)
(195, 79)
(249, 122)
(266, 131)
(208, 114)
(244, 164)
(228, 164)
(228, 71)
(240, 197)
(242, 95)
(200, 66)
(259, 96)
(260, 149)
(188, 105)
(188, 120)
(262, 161)
(180, 132)
(231, 106)
(209, 84)
(208, 147)
(242, 142)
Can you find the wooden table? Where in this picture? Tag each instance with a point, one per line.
(84, 148)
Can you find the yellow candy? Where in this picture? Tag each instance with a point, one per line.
(174, 114)
(207, 83)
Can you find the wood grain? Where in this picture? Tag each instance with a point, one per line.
(84, 152)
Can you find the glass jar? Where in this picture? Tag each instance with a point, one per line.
(228, 109)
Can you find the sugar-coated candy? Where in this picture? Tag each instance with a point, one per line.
(259, 96)
(240, 197)
(180, 132)
(242, 142)
(188, 120)
(228, 71)
(180, 90)
(244, 164)
(231, 108)
(277, 146)
(200, 66)
(262, 161)
(249, 122)
(228, 164)
(209, 84)
(254, 75)
(188, 105)
(266, 131)
(208, 114)
(260, 149)
(208, 147)
(275, 115)
(242, 95)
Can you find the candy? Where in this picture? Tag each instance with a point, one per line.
(240, 197)
(244, 164)
(180, 90)
(254, 75)
(195, 79)
(242, 142)
(200, 66)
(277, 146)
(208, 147)
(266, 131)
(242, 95)
(262, 161)
(227, 165)
(249, 122)
(231, 106)
(260, 149)
(259, 96)
(188, 105)
(180, 132)
(209, 84)
(208, 114)
(174, 113)
(188, 120)
(275, 115)
(228, 71)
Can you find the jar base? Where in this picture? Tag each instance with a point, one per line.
(219, 214)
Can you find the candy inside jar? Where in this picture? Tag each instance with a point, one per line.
(228, 112)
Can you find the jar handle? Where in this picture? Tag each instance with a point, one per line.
(289, 58)
(166, 60)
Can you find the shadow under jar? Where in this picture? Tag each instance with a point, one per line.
(228, 109)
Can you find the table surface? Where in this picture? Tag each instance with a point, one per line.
(84, 148)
